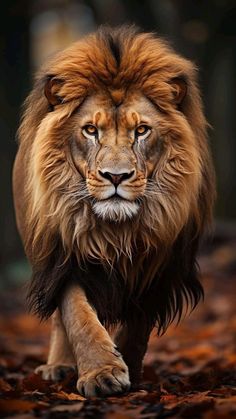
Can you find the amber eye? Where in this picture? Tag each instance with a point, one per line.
(142, 131)
(90, 131)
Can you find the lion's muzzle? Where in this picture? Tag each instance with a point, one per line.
(116, 178)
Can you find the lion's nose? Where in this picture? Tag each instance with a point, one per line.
(116, 178)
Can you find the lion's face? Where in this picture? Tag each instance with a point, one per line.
(115, 149)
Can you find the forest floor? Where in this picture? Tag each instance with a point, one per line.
(190, 372)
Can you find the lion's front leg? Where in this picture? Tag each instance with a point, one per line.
(101, 368)
(60, 358)
(132, 342)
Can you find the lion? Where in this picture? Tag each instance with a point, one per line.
(113, 188)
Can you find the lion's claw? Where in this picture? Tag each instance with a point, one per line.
(54, 372)
(104, 382)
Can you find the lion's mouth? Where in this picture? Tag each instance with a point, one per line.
(116, 197)
(115, 208)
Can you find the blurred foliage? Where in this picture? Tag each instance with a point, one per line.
(203, 30)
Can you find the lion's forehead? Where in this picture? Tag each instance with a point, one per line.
(102, 111)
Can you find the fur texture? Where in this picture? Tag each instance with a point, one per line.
(142, 263)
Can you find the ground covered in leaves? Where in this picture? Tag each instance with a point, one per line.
(190, 372)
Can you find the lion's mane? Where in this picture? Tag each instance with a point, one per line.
(144, 264)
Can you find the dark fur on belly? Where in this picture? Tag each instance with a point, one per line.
(175, 284)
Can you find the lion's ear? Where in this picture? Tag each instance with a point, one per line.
(51, 90)
(179, 89)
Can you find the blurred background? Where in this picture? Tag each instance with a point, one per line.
(33, 30)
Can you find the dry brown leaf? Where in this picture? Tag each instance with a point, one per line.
(35, 382)
(75, 407)
(169, 398)
(67, 396)
(188, 399)
(131, 413)
(16, 405)
(4, 386)
(229, 400)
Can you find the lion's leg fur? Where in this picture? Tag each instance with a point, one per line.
(60, 358)
(132, 343)
(101, 368)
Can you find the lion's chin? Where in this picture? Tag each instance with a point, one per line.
(115, 209)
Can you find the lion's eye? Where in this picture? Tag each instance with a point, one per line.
(90, 131)
(142, 131)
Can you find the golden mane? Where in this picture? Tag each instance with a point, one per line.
(181, 205)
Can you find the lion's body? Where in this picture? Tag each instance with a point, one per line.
(132, 256)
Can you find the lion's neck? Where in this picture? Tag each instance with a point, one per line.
(121, 246)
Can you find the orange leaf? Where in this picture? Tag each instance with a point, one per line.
(15, 405)
(4, 386)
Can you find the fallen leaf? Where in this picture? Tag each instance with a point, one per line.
(35, 382)
(16, 405)
(4, 386)
(191, 410)
(62, 395)
(75, 407)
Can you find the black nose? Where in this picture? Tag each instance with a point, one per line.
(114, 178)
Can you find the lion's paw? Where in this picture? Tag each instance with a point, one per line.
(104, 381)
(54, 372)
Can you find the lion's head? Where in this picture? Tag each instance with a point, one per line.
(117, 156)
(108, 151)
